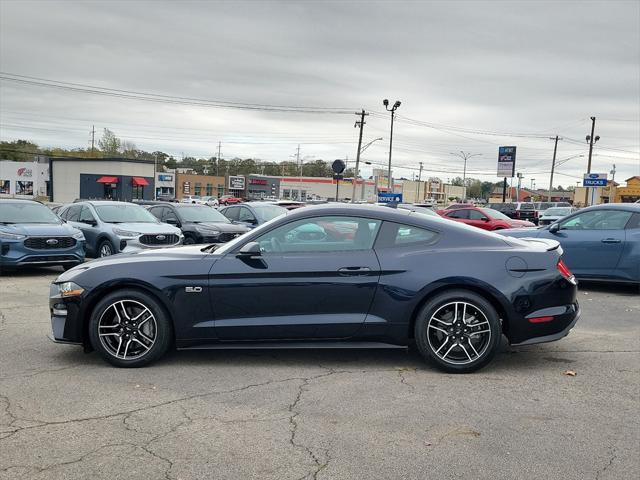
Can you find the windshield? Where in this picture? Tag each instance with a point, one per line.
(125, 213)
(490, 212)
(557, 212)
(202, 214)
(268, 212)
(26, 213)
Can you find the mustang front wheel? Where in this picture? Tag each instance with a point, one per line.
(459, 331)
(129, 329)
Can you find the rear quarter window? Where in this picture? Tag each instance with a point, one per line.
(398, 235)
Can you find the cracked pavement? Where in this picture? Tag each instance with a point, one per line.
(320, 414)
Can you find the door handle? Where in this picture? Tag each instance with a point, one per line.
(611, 240)
(354, 270)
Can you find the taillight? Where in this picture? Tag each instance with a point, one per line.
(564, 270)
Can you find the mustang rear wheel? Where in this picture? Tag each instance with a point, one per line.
(458, 331)
(129, 329)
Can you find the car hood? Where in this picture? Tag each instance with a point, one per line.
(147, 227)
(520, 223)
(40, 229)
(126, 260)
(223, 226)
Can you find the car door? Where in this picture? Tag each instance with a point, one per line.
(72, 216)
(308, 282)
(459, 215)
(593, 241)
(246, 217)
(478, 219)
(231, 213)
(89, 225)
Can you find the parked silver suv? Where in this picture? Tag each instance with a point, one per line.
(115, 227)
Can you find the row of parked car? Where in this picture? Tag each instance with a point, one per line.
(33, 234)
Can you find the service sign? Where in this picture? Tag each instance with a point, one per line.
(594, 180)
(236, 182)
(389, 197)
(506, 161)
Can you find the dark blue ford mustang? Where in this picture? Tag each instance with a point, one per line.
(331, 276)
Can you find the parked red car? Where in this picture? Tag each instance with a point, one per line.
(229, 200)
(485, 218)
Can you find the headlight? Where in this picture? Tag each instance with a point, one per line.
(11, 236)
(125, 233)
(69, 289)
(209, 230)
(78, 236)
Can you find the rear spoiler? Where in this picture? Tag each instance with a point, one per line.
(549, 245)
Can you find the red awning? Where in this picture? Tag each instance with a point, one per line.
(140, 182)
(107, 180)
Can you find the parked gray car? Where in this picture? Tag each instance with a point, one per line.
(119, 227)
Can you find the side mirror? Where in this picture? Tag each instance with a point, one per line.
(93, 223)
(250, 250)
(554, 228)
(485, 219)
(172, 221)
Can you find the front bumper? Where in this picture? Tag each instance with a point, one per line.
(16, 254)
(133, 244)
(66, 324)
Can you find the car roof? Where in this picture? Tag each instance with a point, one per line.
(20, 200)
(632, 207)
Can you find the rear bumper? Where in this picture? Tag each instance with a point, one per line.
(564, 319)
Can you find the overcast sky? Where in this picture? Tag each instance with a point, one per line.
(535, 68)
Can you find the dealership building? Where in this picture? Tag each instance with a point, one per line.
(123, 179)
(24, 179)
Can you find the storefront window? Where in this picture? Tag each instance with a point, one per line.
(286, 193)
(138, 192)
(220, 190)
(198, 189)
(209, 189)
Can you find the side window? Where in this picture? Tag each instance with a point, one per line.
(597, 220)
(86, 215)
(409, 235)
(231, 213)
(156, 212)
(169, 216)
(634, 222)
(73, 213)
(322, 234)
(245, 215)
(461, 213)
(475, 215)
(63, 212)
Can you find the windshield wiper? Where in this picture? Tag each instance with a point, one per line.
(8, 223)
(210, 248)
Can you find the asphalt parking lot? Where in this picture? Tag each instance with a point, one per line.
(320, 414)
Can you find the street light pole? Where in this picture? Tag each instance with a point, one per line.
(553, 166)
(355, 173)
(393, 109)
(465, 156)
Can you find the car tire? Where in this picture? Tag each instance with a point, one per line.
(105, 249)
(458, 331)
(188, 240)
(136, 341)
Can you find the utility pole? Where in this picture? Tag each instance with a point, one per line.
(93, 139)
(218, 160)
(553, 166)
(520, 177)
(357, 171)
(591, 139)
(419, 182)
(613, 182)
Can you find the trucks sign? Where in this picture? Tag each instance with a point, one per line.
(594, 180)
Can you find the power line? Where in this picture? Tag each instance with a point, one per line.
(159, 98)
